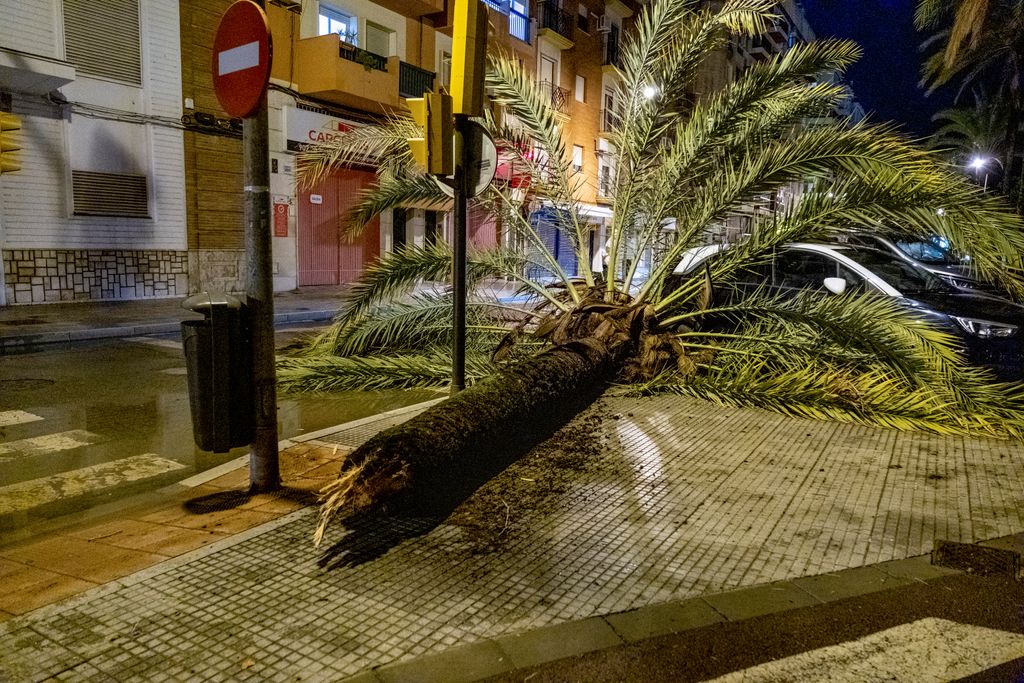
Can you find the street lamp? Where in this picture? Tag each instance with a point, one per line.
(978, 163)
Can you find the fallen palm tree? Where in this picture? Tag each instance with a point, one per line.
(847, 357)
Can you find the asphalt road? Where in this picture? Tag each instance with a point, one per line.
(109, 417)
(931, 631)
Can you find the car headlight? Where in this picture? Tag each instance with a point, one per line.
(961, 283)
(986, 329)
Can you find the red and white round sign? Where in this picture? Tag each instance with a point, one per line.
(241, 58)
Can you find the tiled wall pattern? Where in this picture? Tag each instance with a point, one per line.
(34, 276)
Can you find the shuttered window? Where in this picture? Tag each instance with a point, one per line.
(110, 194)
(102, 39)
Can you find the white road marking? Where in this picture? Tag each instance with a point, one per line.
(85, 481)
(153, 341)
(923, 651)
(175, 371)
(16, 417)
(48, 443)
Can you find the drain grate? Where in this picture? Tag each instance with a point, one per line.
(976, 559)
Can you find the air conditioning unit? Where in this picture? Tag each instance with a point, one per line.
(603, 25)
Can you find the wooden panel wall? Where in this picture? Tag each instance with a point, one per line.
(213, 163)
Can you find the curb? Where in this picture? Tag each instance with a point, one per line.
(21, 341)
(518, 651)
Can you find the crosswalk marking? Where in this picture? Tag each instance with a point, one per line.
(153, 341)
(922, 651)
(91, 480)
(16, 417)
(47, 443)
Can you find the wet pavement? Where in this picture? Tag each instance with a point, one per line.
(688, 515)
(85, 423)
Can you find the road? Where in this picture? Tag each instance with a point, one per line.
(961, 627)
(85, 423)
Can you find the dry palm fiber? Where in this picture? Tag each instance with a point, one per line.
(435, 460)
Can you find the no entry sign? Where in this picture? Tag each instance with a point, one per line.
(241, 58)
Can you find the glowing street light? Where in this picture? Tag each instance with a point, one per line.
(650, 91)
(979, 163)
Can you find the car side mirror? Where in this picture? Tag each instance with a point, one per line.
(836, 285)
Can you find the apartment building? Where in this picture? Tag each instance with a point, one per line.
(97, 210)
(132, 174)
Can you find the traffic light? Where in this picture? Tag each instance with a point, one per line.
(469, 50)
(433, 151)
(9, 161)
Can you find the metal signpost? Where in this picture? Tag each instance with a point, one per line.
(434, 113)
(242, 55)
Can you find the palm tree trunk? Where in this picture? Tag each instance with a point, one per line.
(431, 463)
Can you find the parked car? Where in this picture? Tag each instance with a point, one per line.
(988, 326)
(928, 255)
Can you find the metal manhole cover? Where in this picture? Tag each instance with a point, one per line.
(25, 384)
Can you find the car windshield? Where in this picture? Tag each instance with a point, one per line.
(927, 252)
(903, 276)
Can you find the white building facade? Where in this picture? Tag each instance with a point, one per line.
(97, 211)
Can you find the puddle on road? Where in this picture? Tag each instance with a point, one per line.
(98, 465)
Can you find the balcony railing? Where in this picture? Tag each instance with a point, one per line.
(559, 97)
(558, 20)
(414, 81)
(519, 26)
(612, 55)
(368, 59)
(610, 120)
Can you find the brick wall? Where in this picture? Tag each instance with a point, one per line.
(33, 276)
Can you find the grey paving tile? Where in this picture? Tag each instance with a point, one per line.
(659, 620)
(850, 582)
(759, 600)
(457, 665)
(559, 641)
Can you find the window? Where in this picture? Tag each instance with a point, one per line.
(577, 158)
(519, 20)
(378, 39)
(102, 39)
(583, 19)
(581, 88)
(336, 21)
(802, 269)
(398, 235)
(446, 69)
(604, 187)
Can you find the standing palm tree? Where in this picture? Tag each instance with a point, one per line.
(983, 44)
(839, 357)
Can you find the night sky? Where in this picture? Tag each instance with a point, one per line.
(885, 79)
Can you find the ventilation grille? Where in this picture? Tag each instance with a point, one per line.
(110, 194)
(102, 39)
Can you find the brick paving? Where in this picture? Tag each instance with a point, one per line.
(684, 499)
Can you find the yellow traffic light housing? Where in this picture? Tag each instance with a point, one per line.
(469, 51)
(433, 151)
(9, 161)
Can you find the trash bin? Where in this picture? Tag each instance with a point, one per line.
(218, 358)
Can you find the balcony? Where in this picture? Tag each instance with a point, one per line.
(610, 121)
(559, 97)
(412, 8)
(414, 81)
(612, 55)
(556, 25)
(337, 72)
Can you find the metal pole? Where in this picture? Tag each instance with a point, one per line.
(460, 221)
(264, 472)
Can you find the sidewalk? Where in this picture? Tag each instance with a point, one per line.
(22, 326)
(643, 517)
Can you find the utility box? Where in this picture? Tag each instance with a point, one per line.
(218, 358)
